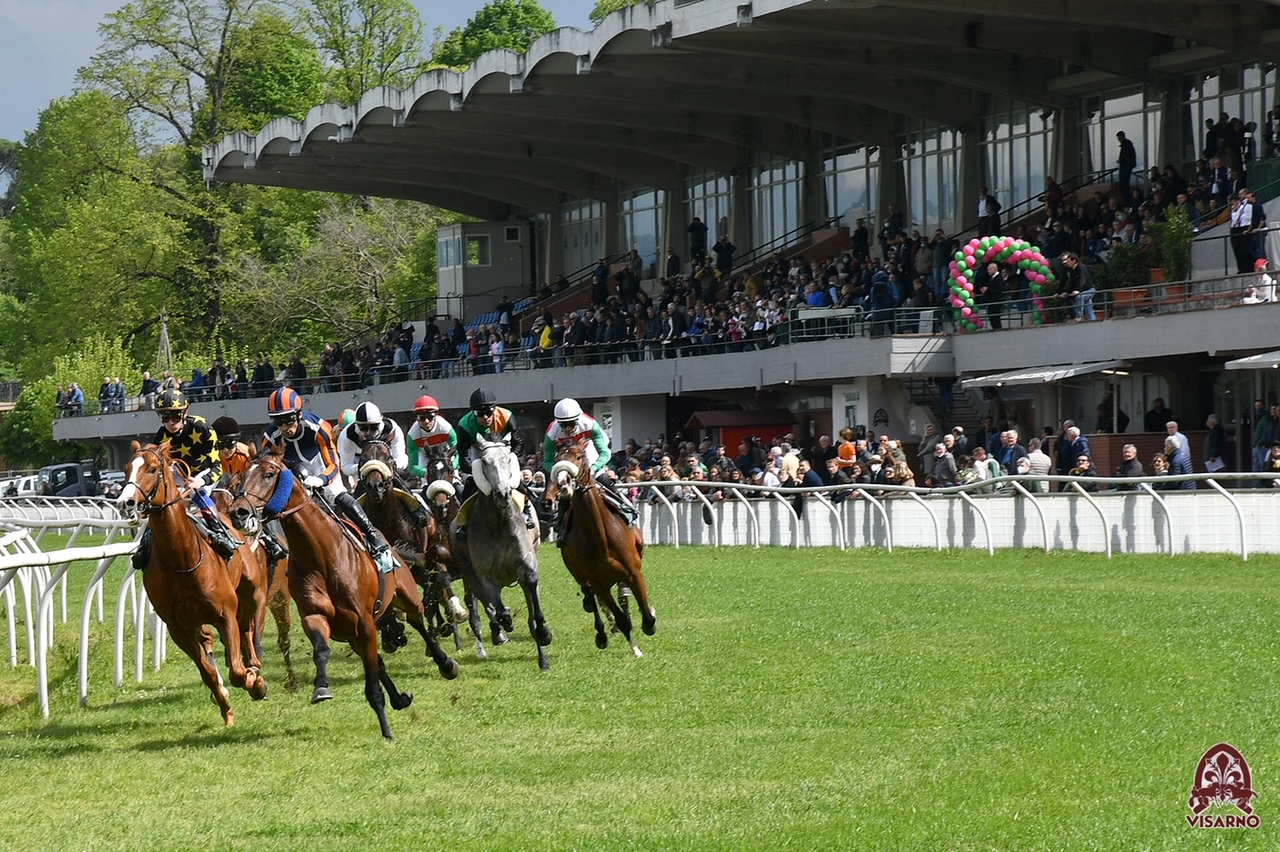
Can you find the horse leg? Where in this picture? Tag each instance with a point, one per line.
(589, 605)
(399, 700)
(473, 620)
(366, 645)
(537, 621)
(317, 629)
(648, 618)
(408, 602)
(251, 614)
(620, 617)
(248, 679)
(193, 644)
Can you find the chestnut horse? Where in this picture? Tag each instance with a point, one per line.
(337, 587)
(190, 585)
(599, 550)
(420, 547)
(500, 550)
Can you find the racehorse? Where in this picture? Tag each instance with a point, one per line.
(420, 547)
(599, 550)
(335, 583)
(190, 585)
(499, 549)
(278, 602)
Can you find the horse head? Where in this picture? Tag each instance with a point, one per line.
(267, 490)
(376, 470)
(497, 471)
(569, 471)
(150, 482)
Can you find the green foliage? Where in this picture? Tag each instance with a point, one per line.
(1171, 239)
(605, 8)
(26, 433)
(367, 43)
(276, 72)
(501, 24)
(1127, 267)
(813, 699)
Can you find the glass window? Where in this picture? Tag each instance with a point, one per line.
(775, 201)
(478, 250)
(930, 157)
(642, 225)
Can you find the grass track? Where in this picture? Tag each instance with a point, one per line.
(791, 699)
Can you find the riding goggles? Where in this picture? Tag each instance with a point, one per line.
(367, 429)
(286, 419)
(487, 411)
(426, 415)
(172, 416)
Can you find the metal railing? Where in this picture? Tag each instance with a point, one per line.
(781, 243)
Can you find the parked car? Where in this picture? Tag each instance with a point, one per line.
(73, 479)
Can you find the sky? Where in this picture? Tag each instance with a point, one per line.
(44, 42)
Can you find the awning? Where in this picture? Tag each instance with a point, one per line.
(1040, 375)
(1265, 361)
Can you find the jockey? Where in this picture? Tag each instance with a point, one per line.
(193, 442)
(487, 421)
(236, 457)
(573, 426)
(430, 435)
(309, 450)
(369, 425)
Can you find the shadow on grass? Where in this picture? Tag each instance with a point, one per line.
(208, 736)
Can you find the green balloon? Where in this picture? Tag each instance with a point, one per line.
(959, 256)
(968, 300)
(1024, 264)
(962, 265)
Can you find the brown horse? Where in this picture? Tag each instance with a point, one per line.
(421, 547)
(190, 585)
(337, 587)
(278, 602)
(599, 550)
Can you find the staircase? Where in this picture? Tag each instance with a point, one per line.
(924, 393)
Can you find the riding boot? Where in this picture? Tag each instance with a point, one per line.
(421, 517)
(221, 539)
(142, 554)
(460, 534)
(530, 521)
(562, 515)
(376, 544)
(275, 550)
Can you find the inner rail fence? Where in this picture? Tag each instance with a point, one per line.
(1223, 513)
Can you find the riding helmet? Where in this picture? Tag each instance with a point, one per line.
(482, 398)
(172, 400)
(283, 401)
(568, 409)
(426, 403)
(367, 414)
(226, 428)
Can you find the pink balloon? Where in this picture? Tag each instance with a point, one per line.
(974, 243)
(966, 312)
(968, 286)
(1039, 279)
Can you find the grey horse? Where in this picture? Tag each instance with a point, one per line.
(499, 550)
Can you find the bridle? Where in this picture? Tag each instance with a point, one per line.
(147, 506)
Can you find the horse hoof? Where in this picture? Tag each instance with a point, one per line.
(458, 610)
(320, 694)
(649, 626)
(602, 641)
(505, 620)
(259, 691)
(543, 637)
(449, 669)
(229, 717)
(482, 654)
(500, 638)
(406, 698)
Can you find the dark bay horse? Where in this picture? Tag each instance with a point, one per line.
(337, 587)
(422, 548)
(599, 550)
(190, 585)
(499, 549)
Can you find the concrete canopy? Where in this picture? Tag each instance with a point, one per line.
(658, 90)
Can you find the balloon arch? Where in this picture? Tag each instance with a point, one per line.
(1020, 254)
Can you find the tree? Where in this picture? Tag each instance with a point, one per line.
(367, 43)
(509, 24)
(605, 8)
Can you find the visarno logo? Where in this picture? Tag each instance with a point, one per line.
(1222, 778)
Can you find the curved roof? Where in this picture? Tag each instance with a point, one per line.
(657, 89)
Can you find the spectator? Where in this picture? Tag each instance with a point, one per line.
(1215, 445)
(988, 214)
(724, 250)
(1171, 430)
(1126, 162)
(1160, 468)
(1129, 466)
(75, 400)
(1157, 417)
(697, 231)
(943, 472)
(1084, 469)
(150, 388)
(1179, 462)
(1272, 465)
(1038, 464)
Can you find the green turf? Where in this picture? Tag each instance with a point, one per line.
(804, 699)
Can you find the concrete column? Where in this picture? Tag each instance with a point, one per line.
(553, 249)
(813, 190)
(1066, 159)
(1174, 118)
(673, 230)
(739, 210)
(971, 180)
(892, 186)
(612, 224)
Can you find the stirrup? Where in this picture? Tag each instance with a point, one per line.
(460, 533)
(382, 558)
